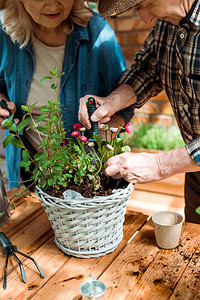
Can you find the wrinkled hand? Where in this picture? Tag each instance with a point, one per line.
(134, 167)
(5, 113)
(120, 98)
(103, 112)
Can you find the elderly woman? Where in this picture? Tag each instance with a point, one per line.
(36, 36)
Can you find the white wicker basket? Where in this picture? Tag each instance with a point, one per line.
(87, 227)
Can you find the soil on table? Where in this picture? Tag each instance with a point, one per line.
(86, 188)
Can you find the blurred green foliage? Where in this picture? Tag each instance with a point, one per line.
(93, 6)
(154, 136)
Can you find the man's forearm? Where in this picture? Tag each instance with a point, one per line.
(176, 161)
(123, 96)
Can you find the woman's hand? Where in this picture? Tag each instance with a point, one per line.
(4, 113)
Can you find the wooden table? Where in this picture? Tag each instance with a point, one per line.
(137, 269)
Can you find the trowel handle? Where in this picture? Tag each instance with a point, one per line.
(3, 104)
(91, 105)
(5, 243)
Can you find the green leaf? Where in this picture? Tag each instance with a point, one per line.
(67, 175)
(13, 127)
(118, 150)
(28, 193)
(6, 123)
(50, 182)
(53, 72)
(91, 168)
(46, 164)
(98, 140)
(8, 140)
(119, 141)
(54, 86)
(38, 156)
(16, 143)
(198, 210)
(1, 214)
(55, 111)
(31, 107)
(24, 164)
(42, 129)
(126, 149)
(41, 117)
(44, 78)
(59, 75)
(12, 205)
(25, 108)
(23, 124)
(82, 173)
(90, 176)
(25, 155)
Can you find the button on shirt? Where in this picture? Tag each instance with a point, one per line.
(170, 60)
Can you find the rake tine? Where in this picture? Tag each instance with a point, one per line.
(5, 271)
(39, 269)
(21, 267)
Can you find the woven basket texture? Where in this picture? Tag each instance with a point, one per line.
(87, 227)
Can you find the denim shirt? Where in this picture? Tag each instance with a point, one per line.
(93, 64)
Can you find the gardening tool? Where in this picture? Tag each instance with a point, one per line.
(26, 143)
(4, 206)
(91, 105)
(10, 249)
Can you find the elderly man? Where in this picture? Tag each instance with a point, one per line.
(170, 60)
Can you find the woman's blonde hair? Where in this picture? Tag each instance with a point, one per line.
(20, 26)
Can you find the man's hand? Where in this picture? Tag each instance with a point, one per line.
(145, 167)
(134, 167)
(122, 97)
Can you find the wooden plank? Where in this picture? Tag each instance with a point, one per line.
(149, 202)
(67, 280)
(29, 238)
(189, 285)
(25, 211)
(154, 197)
(163, 275)
(133, 261)
(162, 188)
(143, 271)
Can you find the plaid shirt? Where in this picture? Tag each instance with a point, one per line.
(170, 60)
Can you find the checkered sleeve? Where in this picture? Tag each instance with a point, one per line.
(193, 149)
(143, 75)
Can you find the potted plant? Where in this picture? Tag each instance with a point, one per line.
(86, 209)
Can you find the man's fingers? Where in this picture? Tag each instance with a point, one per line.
(112, 166)
(100, 113)
(112, 170)
(83, 114)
